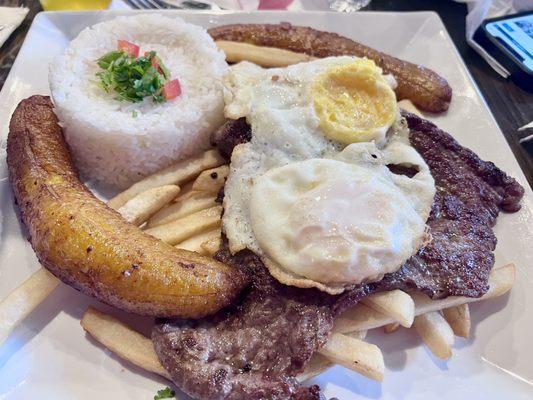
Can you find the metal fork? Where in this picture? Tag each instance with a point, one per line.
(162, 5)
(147, 5)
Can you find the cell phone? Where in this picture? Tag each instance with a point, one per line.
(509, 40)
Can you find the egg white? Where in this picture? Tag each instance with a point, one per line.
(277, 103)
(334, 223)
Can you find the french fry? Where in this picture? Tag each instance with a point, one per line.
(356, 355)
(185, 191)
(195, 243)
(436, 333)
(123, 341)
(141, 207)
(181, 229)
(459, 319)
(211, 180)
(260, 55)
(24, 299)
(317, 365)
(395, 303)
(357, 334)
(390, 328)
(185, 205)
(362, 317)
(212, 245)
(176, 174)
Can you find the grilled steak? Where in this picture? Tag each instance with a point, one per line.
(229, 135)
(255, 349)
(470, 194)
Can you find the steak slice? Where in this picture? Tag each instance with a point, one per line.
(470, 193)
(229, 135)
(255, 349)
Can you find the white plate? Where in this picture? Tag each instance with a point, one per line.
(50, 357)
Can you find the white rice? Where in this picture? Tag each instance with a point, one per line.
(109, 144)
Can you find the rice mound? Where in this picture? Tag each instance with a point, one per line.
(117, 142)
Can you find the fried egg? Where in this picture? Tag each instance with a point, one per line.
(311, 193)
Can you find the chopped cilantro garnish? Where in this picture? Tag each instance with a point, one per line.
(134, 114)
(133, 78)
(166, 393)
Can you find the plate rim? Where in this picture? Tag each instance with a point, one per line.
(469, 77)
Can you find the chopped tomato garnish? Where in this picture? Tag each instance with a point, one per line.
(127, 47)
(155, 64)
(171, 89)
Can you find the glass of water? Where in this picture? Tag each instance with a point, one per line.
(348, 5)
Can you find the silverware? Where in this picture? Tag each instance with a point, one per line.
(146, 4)
(163, 5)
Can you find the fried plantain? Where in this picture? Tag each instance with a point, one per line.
(425, 88)
(90, 246)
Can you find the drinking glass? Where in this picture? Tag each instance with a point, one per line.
(52, 5)
(348, 5)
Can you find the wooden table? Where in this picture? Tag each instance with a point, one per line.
(512, 106)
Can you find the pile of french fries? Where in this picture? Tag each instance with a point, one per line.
(178, 205)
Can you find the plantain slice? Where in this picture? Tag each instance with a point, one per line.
(424, 87)
(90, 246)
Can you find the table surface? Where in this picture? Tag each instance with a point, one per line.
(512, 106)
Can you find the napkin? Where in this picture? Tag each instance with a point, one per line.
(10, 19)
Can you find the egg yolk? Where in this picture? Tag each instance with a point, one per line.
(354, 102)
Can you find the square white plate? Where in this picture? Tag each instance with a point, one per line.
(50, 357)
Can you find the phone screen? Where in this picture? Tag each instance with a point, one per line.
(516, 34)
